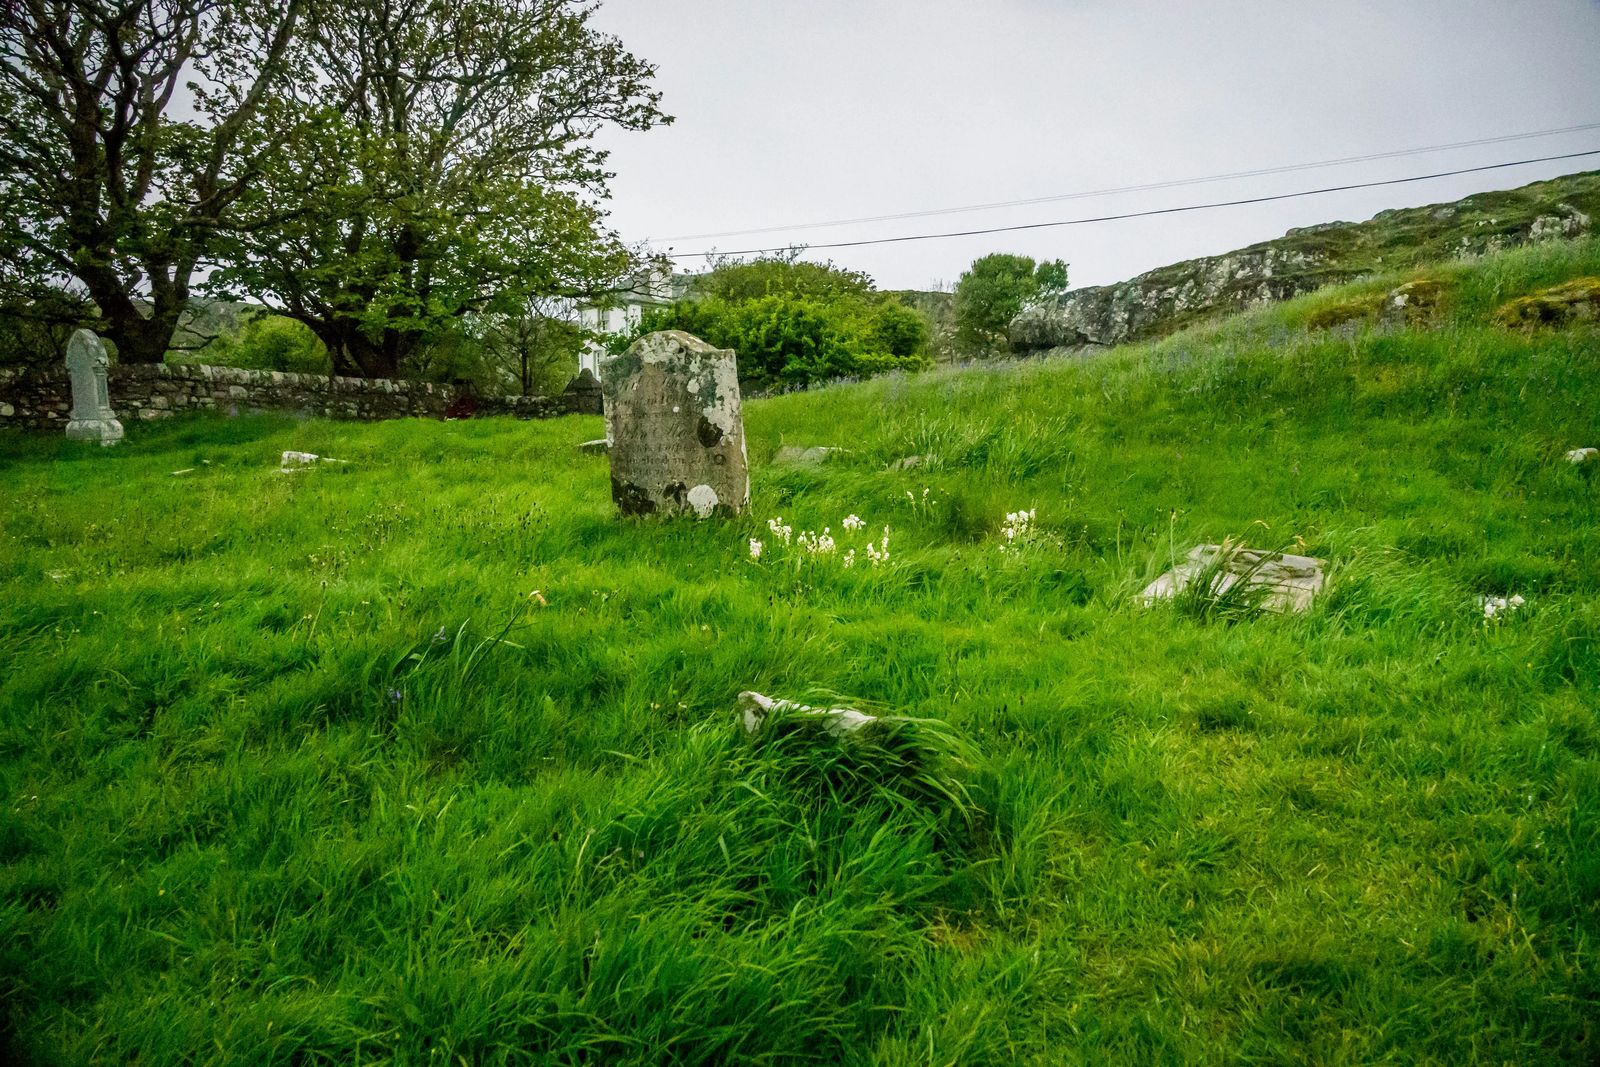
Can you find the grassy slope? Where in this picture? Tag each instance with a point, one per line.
(255, 812)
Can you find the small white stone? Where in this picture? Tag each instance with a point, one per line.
(1582, 455)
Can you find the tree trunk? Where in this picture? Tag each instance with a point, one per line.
(139, 338)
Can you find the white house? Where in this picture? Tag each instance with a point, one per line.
(622, 309)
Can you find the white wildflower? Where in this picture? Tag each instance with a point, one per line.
(849, 559)
(755, 548)
(853, 522)
(1017, 524)
(1499, 606)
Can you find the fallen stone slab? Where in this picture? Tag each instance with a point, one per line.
(301, 460)
(598, 447)
(1288, 583)
(794, 456)
(755, 710)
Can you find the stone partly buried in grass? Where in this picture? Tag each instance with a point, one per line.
(858, 754)
(1271, 580)
(755, 710)
(673, 417)
(1561, 305)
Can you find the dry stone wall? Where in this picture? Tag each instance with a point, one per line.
(42, 400)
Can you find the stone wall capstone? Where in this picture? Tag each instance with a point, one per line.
(41, 399)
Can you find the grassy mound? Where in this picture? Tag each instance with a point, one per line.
(428, 758)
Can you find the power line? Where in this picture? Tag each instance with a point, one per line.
(1148, 187)
(1146, 214)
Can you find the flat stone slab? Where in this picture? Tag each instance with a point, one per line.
(598, 447)
(1290, 582)
(293, 462)
(795, 456)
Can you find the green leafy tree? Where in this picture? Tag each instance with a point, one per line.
(993, 290)
(440, 163)
(780, 274)
(534, 349)
(129, 129)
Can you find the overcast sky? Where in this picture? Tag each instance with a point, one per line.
(795, 112)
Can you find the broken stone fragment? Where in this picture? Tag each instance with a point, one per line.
(1287, 583)
(755, 710)
(598, 447)
(294, 462)
(1582, 455)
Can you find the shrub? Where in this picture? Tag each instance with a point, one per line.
(780, 275)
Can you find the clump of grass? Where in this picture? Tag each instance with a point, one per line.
(919, 760)
(1226, 587)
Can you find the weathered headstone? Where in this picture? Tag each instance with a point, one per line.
(583, 394)
(677, 436)
(92, 417)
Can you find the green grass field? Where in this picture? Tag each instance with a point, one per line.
(299, 769)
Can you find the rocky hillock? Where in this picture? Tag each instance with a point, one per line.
(1168, 298)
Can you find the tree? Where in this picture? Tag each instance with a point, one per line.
(783, 273)
(105, 187)
(440, 162)
(537, 347)
(992, 291)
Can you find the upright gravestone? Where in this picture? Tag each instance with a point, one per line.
(677, 437)
(582, 394)
(92, 417)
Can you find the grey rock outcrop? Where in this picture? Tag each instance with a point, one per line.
(1167, 298)
(1307, 258)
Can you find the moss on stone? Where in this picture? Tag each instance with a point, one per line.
(1560, 305)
